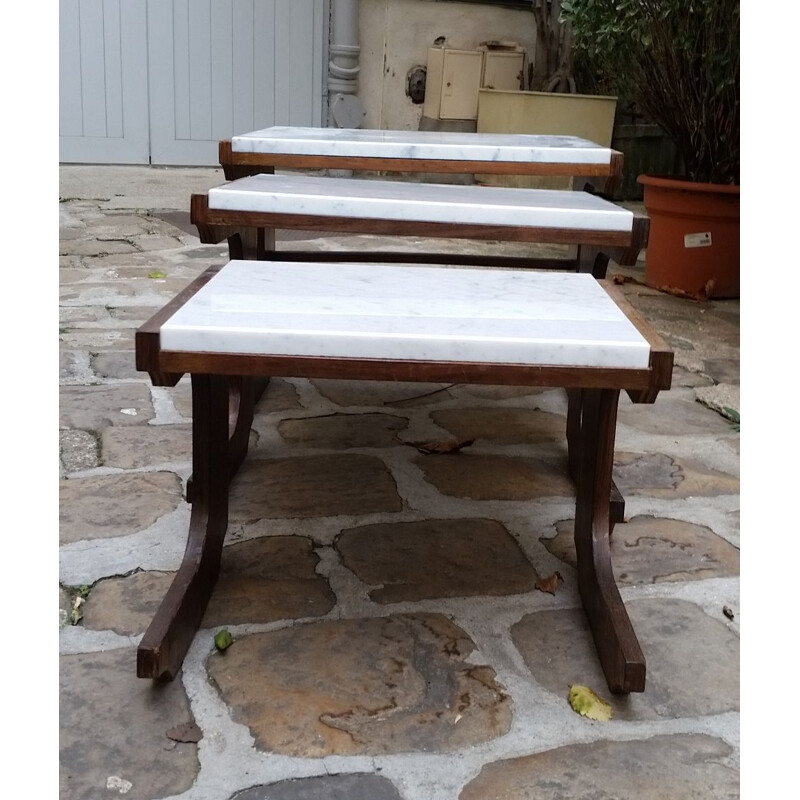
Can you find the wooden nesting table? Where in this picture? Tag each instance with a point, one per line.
(247, 210)
(443, 152)
(241, 323)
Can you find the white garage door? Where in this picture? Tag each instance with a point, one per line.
(162, 81)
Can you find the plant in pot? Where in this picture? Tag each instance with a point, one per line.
(678, 60)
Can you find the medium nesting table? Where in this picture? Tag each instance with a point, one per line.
(245, 321)
(247, 210)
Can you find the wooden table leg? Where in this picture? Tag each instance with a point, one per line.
(167, 639)
(246, 244)
(252, 244)
(243, 393)
(616, 510)
(620, 654)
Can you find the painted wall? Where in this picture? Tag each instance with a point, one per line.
(396, 34)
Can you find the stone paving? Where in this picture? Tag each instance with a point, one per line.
(389, 639)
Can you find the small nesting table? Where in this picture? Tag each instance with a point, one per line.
(245, 321)
(420, 152)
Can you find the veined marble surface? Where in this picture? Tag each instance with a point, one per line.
(407, 311)
(448, 146)
(420, 202)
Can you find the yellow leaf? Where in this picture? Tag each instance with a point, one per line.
(157, 273)
(588, 704)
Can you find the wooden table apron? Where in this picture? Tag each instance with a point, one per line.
(251, 235)
(225, 388)
(603, 178)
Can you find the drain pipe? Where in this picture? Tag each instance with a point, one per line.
(346, 110)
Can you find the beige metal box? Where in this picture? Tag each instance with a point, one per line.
(503, 70)
(453, 80)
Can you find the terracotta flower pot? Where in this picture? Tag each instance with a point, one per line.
(694, 236)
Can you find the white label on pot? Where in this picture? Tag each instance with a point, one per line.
(697, 239)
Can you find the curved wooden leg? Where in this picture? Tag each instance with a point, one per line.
(246, 244)
(617, 646)
(591, 259)
(244, 394)
(167, 639)
(616, 510)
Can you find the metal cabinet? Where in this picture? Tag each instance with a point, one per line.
(454, 77)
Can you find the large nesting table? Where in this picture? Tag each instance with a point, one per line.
(442, 152)
(245, 321)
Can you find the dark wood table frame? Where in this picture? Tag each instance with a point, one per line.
(251, 235)
(602, 179)
(225, 388)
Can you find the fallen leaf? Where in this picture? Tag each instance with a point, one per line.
(702, 296)
(76, 614)
(223, 640)
(733, 415)
(727, 612)
(549, 584)
(441, 448)
(157, 273)
(187, 732)
(586, 703)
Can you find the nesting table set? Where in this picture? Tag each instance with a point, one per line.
(378, 317)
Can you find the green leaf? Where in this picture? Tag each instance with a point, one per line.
(586, 703)
(223, 640)
(157, 273)
(732, 413)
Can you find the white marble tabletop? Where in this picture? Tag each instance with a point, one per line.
(407, 311)
(441, 145)
(420, 202)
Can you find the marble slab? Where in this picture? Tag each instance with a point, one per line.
(407, 311)
(420, 202)
(437, 145)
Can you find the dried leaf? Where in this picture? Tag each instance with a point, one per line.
(586, 703)
(187, 732)
(441, 448)
(701, 296)
(549, 584)
(157, 273)
(223, 640)
(76, 613)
